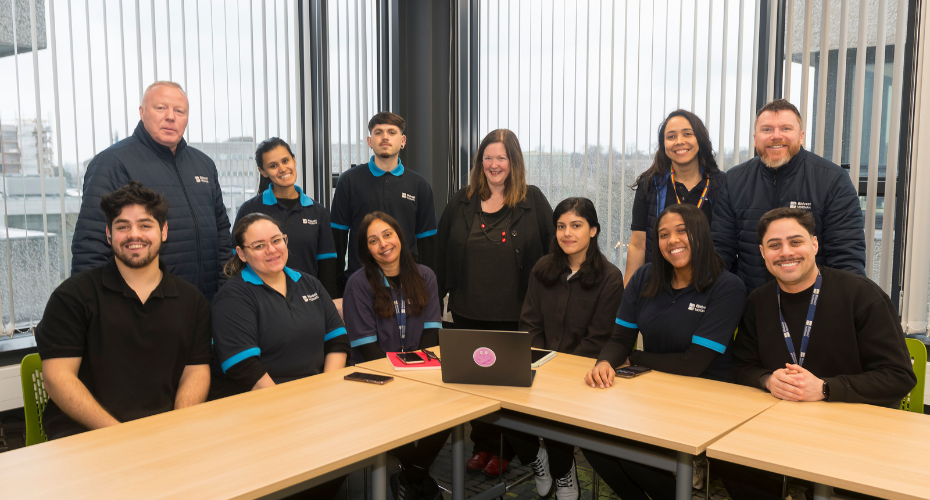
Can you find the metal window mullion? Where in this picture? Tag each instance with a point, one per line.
(230, 170)
(168, 33)
(65, 251)
(277, 78)
(878, 94)
(244, 161)
(265, 63)
(11, 326)
(773, 27)
(820, 126)
(789, 46)
(40, 134)
(520, 60)
(338, 127)
(184, 44)
(681, 36)
(723, 81)
(840, 107)
(587, 91)
(806, 62)
(360, 83)
(597, 134)
(203, 129)
(287, 74)
(216, 132)
(855, 138)
(252, 80)
(891, 168)
(623, 190)
(106, 59)
(739, 82)
(77, 155)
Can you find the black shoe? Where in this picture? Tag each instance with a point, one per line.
(428, 489)
(401, 489)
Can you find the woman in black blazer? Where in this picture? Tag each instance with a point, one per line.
(490, 236)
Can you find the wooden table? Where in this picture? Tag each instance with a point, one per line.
(863, 448)
(684, 414)
(266, 443)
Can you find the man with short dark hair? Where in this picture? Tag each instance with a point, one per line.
(128, 339)
(158, 156)
(814, 334)
(786, 175)
(384, 184)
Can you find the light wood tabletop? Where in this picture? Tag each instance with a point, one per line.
(680, 413)
(868, 449)
(245, 446)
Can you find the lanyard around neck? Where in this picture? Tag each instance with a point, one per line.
(807, 324)
(400, 313)
(675, 188)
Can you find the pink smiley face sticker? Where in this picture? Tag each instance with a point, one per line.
(484, 357)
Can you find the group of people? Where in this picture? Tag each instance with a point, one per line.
(211, 312)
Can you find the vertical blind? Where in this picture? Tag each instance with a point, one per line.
(73, 74)
(585, 84)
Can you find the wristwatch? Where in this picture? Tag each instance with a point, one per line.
(826, 391)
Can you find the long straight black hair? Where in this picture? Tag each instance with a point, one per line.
(557, 260)
(412, 285)
(706, 265)
(661, 163)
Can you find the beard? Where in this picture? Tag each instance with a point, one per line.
(793, 149)
(137, 261)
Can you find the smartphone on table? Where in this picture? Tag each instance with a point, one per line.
(632, 371)
(410, 358)
(369, 378)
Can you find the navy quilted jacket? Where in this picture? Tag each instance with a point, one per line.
(199, 241)
(808, 182)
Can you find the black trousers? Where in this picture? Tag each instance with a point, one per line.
(487, 437)
(630, 480)
(561, 455)
(421, 454)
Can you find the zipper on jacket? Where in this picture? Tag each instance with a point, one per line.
(190, 207)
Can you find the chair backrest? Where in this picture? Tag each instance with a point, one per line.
(915, 400)
(34, 398)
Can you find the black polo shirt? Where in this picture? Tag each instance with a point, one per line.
(286, 337)
(400, 193)
(132, 353)
(674, 319)
(306, 224)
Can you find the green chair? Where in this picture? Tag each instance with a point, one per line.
(34, 398)
(915, 400)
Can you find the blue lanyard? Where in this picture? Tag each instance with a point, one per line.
(400, 312)
(807, 324)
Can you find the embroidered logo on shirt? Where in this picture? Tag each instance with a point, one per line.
(312, 222)
(803, 205)
(408, 196)
(311, 298)
(696, 307)
(201, 178)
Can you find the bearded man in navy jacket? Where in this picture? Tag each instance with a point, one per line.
(157, 155)
(786, 175)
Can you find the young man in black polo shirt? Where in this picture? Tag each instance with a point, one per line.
(128, 339)
(815, 334)
(384, 185)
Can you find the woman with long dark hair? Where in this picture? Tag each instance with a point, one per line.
(687, 307)
(683, 170)
(391, 305)
(272, 324)
(572, 295)
(491, 234)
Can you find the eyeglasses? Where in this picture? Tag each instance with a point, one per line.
(278, 242)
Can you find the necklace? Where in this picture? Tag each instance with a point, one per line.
(489, 229)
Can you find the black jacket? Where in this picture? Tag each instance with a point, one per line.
(199, 242)
(808, 182)
(531, 233)
(856, 343)
(656, 188)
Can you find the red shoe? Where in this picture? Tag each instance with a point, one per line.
(478, 461)
(495, 466)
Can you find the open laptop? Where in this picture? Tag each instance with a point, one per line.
(486, 357)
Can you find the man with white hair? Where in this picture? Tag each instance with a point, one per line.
(786, 175)
(157, 155)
